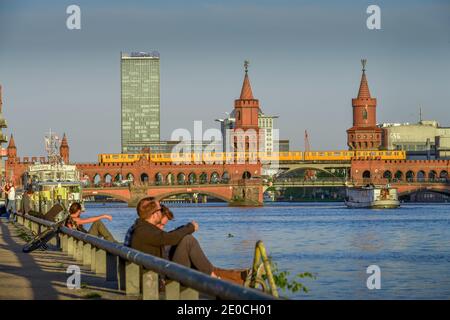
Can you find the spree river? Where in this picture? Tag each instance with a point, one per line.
(411, 245)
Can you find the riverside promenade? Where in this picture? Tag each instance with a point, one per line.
(41, 275)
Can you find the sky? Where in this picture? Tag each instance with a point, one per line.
(304, 65)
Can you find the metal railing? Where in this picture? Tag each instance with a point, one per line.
(137, 273)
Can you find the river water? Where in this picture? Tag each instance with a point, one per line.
(411, 245)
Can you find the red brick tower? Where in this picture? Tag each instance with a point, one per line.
(11, 151)
(364, 135)
(246, 111)
(64, 149)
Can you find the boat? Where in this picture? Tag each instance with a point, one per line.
(371, 196)
(53, 182)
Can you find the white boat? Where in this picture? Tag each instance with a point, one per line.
(374, 197)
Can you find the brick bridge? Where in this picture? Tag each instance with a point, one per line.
(409, 176)
(232, 192)
(238, 184)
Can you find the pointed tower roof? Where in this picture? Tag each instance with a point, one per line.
(364, 92)
(64, 141)
(246, 92)
(11, 144)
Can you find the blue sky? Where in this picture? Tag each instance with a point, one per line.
(305, 65)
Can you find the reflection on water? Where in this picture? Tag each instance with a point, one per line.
(410, 244)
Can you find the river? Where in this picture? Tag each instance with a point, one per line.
(411, 245)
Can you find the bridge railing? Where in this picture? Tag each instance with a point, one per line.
(137, 273)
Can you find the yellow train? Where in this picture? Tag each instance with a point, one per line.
(263, 156)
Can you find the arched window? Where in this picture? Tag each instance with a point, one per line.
(387, 175)
(410, 176)
(432, 175)
(108, 179)
(246, 175)
(170, 179)
(203, 178)
(398, 175)
(144, 178)
(366, 174)
(364, 114)
(159, 179)
(421, 176)
(225, 177)
(214, 177)
(181, 178)
(443, 176)
(192, 178)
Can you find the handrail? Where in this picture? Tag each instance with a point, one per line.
(186, 276)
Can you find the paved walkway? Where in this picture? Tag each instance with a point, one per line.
(42, 274)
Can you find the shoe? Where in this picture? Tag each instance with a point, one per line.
(236, 276)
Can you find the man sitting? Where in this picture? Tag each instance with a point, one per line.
(148, 236)
(97, 228)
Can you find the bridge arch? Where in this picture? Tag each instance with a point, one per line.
(119, 195)
(310, 167)
(207, 193)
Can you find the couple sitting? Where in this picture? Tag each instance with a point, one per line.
(147, 235)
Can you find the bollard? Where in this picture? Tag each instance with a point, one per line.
(132, 279)
(100, 262)
(150, 285)
(111, 267)
(87, 254)
(121, 282)
(172, 290)
(79, 255)
(70, 246)
(75, 248)
(64, 242)
(188, 294)
(93, 256)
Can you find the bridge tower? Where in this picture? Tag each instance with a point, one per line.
(246, 112)
(11, 151)
(364, 134)
(64, 149)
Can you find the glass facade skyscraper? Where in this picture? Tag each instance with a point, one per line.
(140, 100)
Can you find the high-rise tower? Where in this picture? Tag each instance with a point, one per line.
(140, 100)
(364, 134)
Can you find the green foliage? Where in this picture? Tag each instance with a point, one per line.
(92, 295)
(285, 283)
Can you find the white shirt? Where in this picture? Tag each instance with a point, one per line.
(12, 194)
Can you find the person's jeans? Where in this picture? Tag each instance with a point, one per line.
(11, 210)
(98, 229)
(189, 253)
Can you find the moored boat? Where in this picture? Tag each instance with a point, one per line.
(374, 197)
